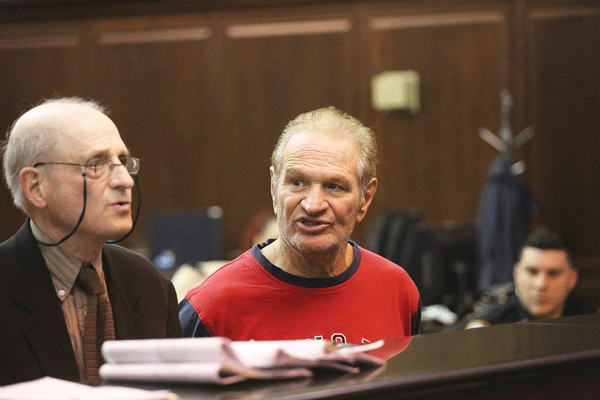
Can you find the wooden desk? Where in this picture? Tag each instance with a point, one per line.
(555, 360)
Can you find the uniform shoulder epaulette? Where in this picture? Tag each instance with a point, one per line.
(492, 305)
(497, 295)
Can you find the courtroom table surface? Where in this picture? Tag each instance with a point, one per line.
(559, 359)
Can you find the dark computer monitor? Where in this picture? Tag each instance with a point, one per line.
(443, 264)
(180, 236)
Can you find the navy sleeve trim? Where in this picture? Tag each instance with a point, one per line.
(415, 321)
(191, 324)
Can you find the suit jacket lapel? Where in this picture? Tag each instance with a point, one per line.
(46, 331)
(124, 295)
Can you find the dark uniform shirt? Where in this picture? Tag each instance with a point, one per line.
(502, 306)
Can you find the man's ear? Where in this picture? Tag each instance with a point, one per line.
(367, 199)
(573, 279)
(272, 172)
(32, 185)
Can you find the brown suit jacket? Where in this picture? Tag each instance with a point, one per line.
(34, 341)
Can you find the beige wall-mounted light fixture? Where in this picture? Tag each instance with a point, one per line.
(396, 91)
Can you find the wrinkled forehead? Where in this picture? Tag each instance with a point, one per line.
(323, 147)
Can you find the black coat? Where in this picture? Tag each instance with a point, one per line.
(502, 224)
(34, 340)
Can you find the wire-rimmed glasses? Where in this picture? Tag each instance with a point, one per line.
(100, 168)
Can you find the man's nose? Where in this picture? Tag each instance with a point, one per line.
(120, 177)
(314, 201)
(541, 281)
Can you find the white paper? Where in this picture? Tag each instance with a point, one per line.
(209, 350)
(269, 354)
(195, 373)
(48, 388)
(222, 361)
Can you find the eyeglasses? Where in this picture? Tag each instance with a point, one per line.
(101, 168)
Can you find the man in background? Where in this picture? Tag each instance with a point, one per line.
(312, 282)
(543, 278)
(63, 290)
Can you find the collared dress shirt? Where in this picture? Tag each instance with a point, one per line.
(64, 268)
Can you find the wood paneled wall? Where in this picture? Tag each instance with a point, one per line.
(202, 95)
(562, 63)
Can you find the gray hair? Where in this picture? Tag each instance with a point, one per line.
(331, 121)
(32, 139)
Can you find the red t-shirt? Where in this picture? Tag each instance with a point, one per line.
(251, 299)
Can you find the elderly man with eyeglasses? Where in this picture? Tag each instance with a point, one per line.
(64, 286)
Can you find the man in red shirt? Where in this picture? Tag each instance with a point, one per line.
(313, 282)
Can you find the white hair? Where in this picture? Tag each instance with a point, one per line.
(331, 121)
(27, 141)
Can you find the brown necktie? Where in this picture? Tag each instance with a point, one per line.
(98, 323)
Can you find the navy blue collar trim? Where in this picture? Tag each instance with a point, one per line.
(303, 281)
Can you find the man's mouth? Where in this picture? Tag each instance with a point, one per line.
(313, 225)
(122, 205)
